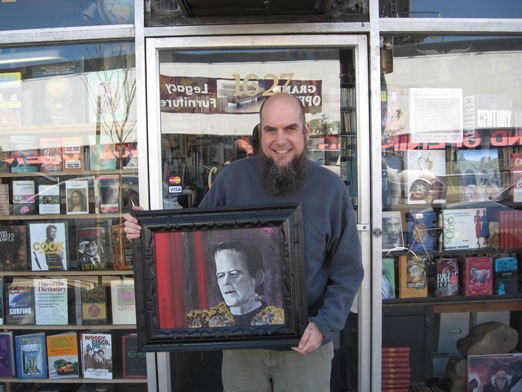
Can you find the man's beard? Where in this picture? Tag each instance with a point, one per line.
(287, 179)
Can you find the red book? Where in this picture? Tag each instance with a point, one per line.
(395, 348)
(516, 177)
(403, 357)
(397, 389)
(395, 383)
(396, 369)
(396, 375)
(477, 278)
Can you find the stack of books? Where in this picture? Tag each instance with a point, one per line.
(396, 370)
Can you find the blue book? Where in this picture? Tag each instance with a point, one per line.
(506, 275)
(7, 364)
(421, 230)
(31, 356)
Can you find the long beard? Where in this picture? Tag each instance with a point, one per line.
(287, 179)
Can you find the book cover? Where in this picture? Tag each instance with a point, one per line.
(134, 360)
(425, 176)
(107, 194)
(495, 372)
(94, 251)
(72, 154)
(477, 276)
(50, 301)
(128, 154)
(25, 155)
(122, 249)
(23, 197)
(31, 356)
(48, 243)
(388, 278)
(48, 198)
(102, 156)
(123, 301)
(4, 199)
(447, 277)
(13, 248)
(413, 280)
(51, 153)
(392, 236)
(96, 351)
(421, 232)
(7, 354)
(480, 175)
(77, 196)
(62, 355)
(20, 302)
(11, 102)
(466, 228)
(93, 305)
(516, 177)
(506, 275)
(2, 301)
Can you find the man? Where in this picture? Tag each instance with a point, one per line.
(392, 237)
(54, 252)
(88, 252)
(282, 173)
(240, 276)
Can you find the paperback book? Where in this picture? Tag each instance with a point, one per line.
(447, 278)
(102, 157)
(62, 355)
(7, 362)
(48, 246)
(413, 280)
(50, 299)
(77, 196)
(123, 301)
(426, 175)
(4, 199)
(51, 153)
(48, 199)
(2, 301)
(20, 302)
(392, 236)
(93, 303)
(477, 276)
(13, 248)
(497, 369)
(23, 197)
(506, 275)
(94, 251)
(97, 355)
(31, 356)
(388, 278)
(480, 176)
(72, 152)
(466, 228)
(134, 360)
(107, 194)
(421, 232)
(122, 249)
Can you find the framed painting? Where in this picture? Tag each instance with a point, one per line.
(220, 278)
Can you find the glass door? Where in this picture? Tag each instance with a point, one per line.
(204, 96)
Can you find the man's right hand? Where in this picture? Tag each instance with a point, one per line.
(132, 228)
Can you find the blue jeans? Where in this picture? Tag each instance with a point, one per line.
(260, 370)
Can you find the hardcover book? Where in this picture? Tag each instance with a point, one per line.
(516, 177)
(50, 299)
(13, 248)
(392, 236)
(134, 361)
(23, 197)
(413, 280)
(20, 302)
(31, 356)
(477, 276)
(94, 251)
(48, 198)
(421, 231)
(51, 153)
(388, 278)
(425, 175)
(480, 175)
(72, 153)
(48, 246)
(62, 355)
(506, 275)
(77, 196)
(447, 278)
(94, 305)
(7, 363)
(466, 228)
(97, 355)
(107, 194)
(123, 301)
(122, 249)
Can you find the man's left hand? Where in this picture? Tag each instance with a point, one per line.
(311, 339)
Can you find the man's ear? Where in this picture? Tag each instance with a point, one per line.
(307, 131)
(260, 277)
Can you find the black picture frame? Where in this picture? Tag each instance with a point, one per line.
(179, 304)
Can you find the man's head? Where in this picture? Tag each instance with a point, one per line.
(91, 247)
(283, 136)
(239, 271)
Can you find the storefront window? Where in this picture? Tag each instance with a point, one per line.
(451, 151)
(36, 14)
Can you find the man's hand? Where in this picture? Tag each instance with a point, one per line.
(311, 339)
(132, 228)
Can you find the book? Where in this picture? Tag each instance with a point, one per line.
(96, 349)
(466, 228)
(2, 301)
(392, 236)
(101, 388)
(413, 280)
(480, 175)
(48, 198)
(23, 197)
(31, 356)
(49, 248)
(421, 231)
(62, 355)
(447, 277)
(25, 155)
(72, 154)
(93, 301)
(134, 360)
(107, 194)
(122, 249)
(102, 156)
(516, 177)
(425, 176)
(94, 251)
(51, 153)
(128, 154)
(20, 302)
(11, 104)
(50, 301)
(477, 277)
(77, 196)
(388, 278)
(485, 370)
(7, 354)
(506, 275)
(13, 248)
(4, 199)
(123, 301)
